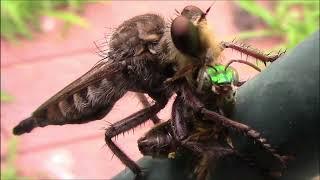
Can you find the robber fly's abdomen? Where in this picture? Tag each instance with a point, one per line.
(90, 103)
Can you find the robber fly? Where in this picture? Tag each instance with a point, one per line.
(207, 140)
(147, 55)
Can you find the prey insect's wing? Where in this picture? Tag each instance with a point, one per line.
(88, 98)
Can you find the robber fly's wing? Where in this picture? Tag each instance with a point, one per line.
(88, 98)
(93, 95)
(99, 71)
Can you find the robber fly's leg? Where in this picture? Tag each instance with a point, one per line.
(127, 124)
(143, 99)
(246, 130)
(208, 156)
(251, 52)
(178, 122)
(194, 102)
(181, 73)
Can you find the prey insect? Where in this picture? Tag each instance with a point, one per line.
(146, 55)
(206, 138)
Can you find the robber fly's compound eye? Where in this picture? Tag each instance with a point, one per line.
(192, 12)
(185, 36)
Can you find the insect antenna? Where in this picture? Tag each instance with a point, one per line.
(243, 62)
(207, 11)
(208, 65)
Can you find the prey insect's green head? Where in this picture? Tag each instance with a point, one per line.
(220, 75)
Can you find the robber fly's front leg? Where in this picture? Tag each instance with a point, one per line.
(251, 52)
(127, 124)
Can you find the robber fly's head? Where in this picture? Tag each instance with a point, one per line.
(185, 31)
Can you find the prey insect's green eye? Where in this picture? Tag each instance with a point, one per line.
(219, 75)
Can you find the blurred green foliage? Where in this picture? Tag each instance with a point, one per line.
(19, 18)
(5, 97)
(10, 171)
(292, 20)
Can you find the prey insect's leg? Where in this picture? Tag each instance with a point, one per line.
(194, 102)
(237, 82)
(251, 52)
(155, 119)
(243, 62)
(127, 124)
